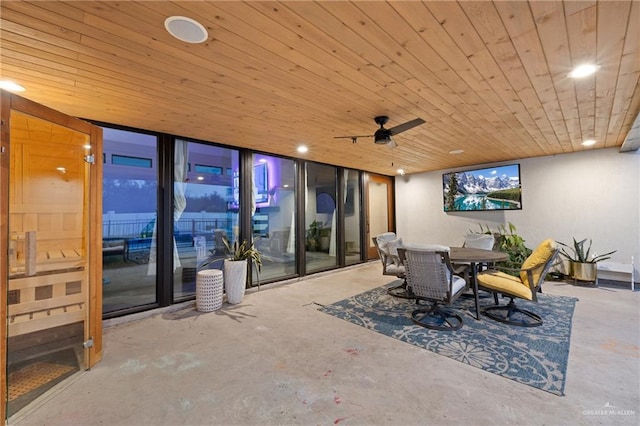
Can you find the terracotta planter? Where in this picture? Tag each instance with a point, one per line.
(235, 280)
(584, 271)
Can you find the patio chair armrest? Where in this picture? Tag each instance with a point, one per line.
(528, 271)
(498, 268)
(395, 259)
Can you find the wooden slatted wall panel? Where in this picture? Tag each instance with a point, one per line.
(488, 77)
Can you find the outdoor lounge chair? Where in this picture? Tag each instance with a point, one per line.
(115, 247)
(431, 278)
(525, 285)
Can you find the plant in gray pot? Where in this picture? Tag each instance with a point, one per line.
(582, 264)
(236, 267)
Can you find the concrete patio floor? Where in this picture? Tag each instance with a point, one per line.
(275, 359)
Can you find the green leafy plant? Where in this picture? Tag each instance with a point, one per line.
(511, 243)
(579, 252)
(313, 235)
(243, 251)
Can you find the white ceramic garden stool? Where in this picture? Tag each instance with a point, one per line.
(209, 289)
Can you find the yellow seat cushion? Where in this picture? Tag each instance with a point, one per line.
(539, 257)
(504, 283)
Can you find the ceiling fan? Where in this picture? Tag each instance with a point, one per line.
(382, 136)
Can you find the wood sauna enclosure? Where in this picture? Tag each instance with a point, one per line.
(51, 229)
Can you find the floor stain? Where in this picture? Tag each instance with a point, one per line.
(179, 362)
(185, 404)
(621, 348)
(133, 366)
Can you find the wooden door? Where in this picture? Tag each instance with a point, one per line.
(380, 209)
(50, 278)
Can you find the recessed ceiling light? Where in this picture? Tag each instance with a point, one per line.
(302, 149)
(584, 70)
(589, 142)
(200, 178)
(11, 86)
(186, 29)
(400, 172)
(456, 151)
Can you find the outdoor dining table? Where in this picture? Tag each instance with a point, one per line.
(473, 257)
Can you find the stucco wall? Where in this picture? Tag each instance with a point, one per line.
(592, 194)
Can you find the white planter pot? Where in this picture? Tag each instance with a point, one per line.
(235, 280)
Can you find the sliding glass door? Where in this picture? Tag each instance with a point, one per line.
(320, 217)
(352, 216)
(156, 240)
(274, 215)
(205, 210)
(129, 231)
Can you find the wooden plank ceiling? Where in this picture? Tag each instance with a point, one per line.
(489, 78)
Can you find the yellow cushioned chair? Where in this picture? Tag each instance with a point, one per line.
(525, 285)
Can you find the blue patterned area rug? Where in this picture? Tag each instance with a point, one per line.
(535, 356)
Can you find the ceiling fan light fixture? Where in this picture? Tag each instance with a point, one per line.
(382, 137)
(186, 29)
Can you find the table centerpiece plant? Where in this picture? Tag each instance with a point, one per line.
(511, 243)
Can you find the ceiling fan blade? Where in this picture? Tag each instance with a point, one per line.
(406, 126)
(353, 136)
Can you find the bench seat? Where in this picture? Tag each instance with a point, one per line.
(616, 269)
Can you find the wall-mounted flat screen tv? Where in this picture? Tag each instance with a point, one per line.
(492, 188)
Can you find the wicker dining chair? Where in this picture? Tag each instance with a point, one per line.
(473, 240)
(387, 245)
(430, 276)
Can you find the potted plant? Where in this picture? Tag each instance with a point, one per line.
(313, 236)
(325, 239)
(581, 266)
(236, 266)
